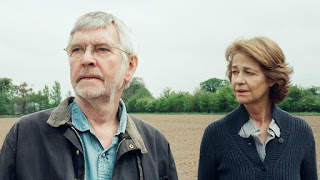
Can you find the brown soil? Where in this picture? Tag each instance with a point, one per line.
(184, 132)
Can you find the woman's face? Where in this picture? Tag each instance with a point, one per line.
(249, 82)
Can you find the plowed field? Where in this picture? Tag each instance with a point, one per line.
(184, 133)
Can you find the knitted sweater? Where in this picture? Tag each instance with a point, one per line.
(226, 155)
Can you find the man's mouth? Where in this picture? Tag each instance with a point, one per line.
(88, 77)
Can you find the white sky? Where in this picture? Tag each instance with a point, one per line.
(181, 42)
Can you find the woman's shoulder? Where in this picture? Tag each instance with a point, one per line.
(298, 122)
(219, 125)
(216, 125)
(301, 124)
(232, 120)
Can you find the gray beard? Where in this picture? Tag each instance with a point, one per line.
(110, 89)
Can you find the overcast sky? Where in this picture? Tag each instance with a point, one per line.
(181, 43)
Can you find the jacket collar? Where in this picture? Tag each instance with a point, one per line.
(61, 115)
(135, 135)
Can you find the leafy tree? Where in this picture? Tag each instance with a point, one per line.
(225, 101)
(314, 90)
(141, 93)
(6, 96)
(194, 100)
(142, 104)
(300, 100)
(55, 94)
(179, 102)
(171, 101)
(45, 99)
(151, 105)
(213, 84)
(21, 96)
(206, 101)
(34, 102)
(136, 85)
(5, 84)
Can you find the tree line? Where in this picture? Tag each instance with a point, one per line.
(21, 99)
(212, 96)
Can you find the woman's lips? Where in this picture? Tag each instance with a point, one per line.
(241, 91)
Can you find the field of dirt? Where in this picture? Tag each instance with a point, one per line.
(184, 133)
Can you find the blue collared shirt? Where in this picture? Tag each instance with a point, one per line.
(99, 162)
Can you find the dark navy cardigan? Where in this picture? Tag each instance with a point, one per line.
(226, 155)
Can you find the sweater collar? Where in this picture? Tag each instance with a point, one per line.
(235, 120)
(240, 116)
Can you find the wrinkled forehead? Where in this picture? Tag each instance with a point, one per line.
(101, 35)
(89, 22)
(90, 25)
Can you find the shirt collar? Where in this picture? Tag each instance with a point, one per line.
(78, 118)
(122, 114)
(274, 127)
(250, 127)
(80, 121)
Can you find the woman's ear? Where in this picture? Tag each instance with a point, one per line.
(271, 83)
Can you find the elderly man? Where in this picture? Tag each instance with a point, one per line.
(90, 136)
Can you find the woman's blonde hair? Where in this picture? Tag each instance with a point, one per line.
(270, 57)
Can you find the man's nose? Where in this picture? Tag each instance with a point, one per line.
(89, 58)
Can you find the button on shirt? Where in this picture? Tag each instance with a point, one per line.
(99, 162)
(250, 129)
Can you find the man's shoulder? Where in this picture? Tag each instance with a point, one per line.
(36, 117)
(27, 125)
(147, 130)
(33, 120)
(142, 124)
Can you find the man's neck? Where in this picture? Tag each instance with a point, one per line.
(99, 111)
(102, 116)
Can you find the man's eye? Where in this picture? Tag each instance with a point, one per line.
(77, 49)
(102, 48)
(234, 72)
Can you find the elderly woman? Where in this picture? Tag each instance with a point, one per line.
(258, 140)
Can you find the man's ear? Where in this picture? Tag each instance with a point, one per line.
(132, 66)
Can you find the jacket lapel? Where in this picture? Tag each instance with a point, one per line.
(60, 115)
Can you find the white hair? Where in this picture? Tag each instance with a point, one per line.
(96, 20)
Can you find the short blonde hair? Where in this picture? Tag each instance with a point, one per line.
(270, 57)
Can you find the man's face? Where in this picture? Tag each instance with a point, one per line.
(93, 76)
